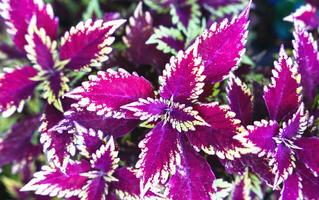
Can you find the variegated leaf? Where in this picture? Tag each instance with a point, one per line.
(58, 146)
(222, 46)
(56, 183)
(307, 58)
(292, 188)
(193, 178)
(182, 78)
(88, 43)
(241, 190)
(305, 15)
(18, 13)
(260, 135)
(185, 14)
(41, 51)
(95, 189)
(106, 92)
(240, 99)
(307, 154)
(219, 137)
(138, 31)
(17, 145)
(16, 87)
(90, 120)
(159, 157)
(310, 183)
(284, 87)
(168, 40)
(105, 159)
(179, 116)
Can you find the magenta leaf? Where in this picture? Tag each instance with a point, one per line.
(284, 87)
(306, 15)
(54, 182)
(58, 146)
(106, 92)
(19, 137)
(240, 99)
(283, 163)
(295, 126)
(138, 31)
(105, 159)
(90, 120)
(16, 87)
(193, 178)
(218, 3)
(160, 155)
(41, 51)
(306, 153)
(18, 14)
(88, 43)
(179, 116)
(292, 188)
(88, 141)
(185, 14)
(241, 190)
(307, 58)
(95, 189)
(222, 46)
(261, 136)
(310, 183)
(218, 137)
(128, 185)
(182, 78)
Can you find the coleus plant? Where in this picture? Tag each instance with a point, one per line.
(181, 123)
(96, 175)
(34, 30)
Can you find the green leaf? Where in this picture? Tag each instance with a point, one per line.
(93, 8)
(164, 32)
(195, 17)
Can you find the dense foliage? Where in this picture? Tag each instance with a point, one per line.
(159, 99)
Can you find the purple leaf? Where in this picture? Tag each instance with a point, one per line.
(307, 58)
(95, 189)
(182, 78)
(180, 117)
(261, 136)
(160, 155)
(18, 138)
(284, 87)
(138, 31)
(222, 46)
(185, 14)
(54, 87)
(54, 182)
(88, 43)
(106, 92)
(90, 120)
(310, 183)
(128, 185)
(148, 109)
(283, 163)
(58, 146)
(218, 137)
(108, 16)
(18, 14)
(88, 141)
(16, 86)
(41, 51)
(306, 15)
(105, 159)
(241, 189)
(193, 178)
(292, 188)
(306, 154)
(240, 99)
(295, 126)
